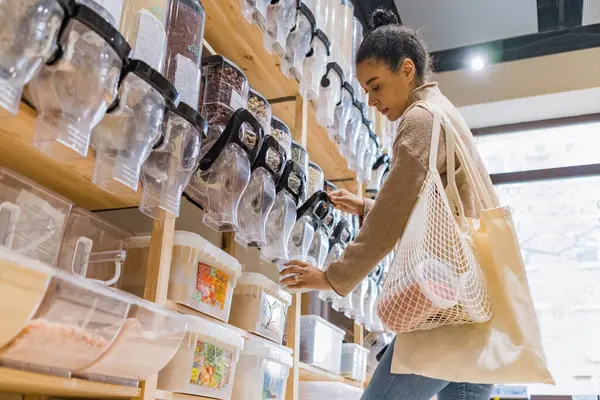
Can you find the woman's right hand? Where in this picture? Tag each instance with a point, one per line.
(343, 200)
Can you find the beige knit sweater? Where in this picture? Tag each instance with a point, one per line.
(387, 216)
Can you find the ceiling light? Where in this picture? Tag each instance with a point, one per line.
(477, 63)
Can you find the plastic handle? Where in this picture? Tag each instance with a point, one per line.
(13, 212)
(118, 257)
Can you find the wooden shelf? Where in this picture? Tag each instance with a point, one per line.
(71, 180)
(162, 395)
(15, 381)
(231, 36)
(309, 373)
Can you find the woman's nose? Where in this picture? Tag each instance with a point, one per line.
(372, 101)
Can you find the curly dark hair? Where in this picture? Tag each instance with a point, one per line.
(391, 43)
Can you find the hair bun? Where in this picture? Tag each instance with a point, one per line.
(383, 17)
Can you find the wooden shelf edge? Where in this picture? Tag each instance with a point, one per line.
(162, 395)
(309, 373)
(23, 382)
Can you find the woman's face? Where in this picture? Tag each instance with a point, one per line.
(388, 90)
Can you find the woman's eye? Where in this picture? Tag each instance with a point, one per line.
(376, 88)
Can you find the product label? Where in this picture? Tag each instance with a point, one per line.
(187, 81)
(274, 381)
(212, 366)
(237, 101)
(211, 286)
(273, 314)
(150, 41)
(10, 97)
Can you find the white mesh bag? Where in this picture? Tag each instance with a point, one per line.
(435, 278)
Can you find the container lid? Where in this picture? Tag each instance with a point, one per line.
(298, 146)
(313, 319)
(103, 28)
(196, 241)
(314, 166)
(193, 117)
(346, 347)
(219, 332)
(217, 59)
(154, 79)
(255, 279)
(281, 126)
(272, 351)
(330, 187)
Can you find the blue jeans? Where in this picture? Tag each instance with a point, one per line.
(387, 386)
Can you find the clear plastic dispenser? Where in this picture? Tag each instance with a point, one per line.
(185, 35)
(171, 164)
(110, 10)
(224, 172)
(281, 17)
(282, 217)
(282, 133)
(32, 218)
(348, 149)
(255, 12)
(260, 306)
(329, 187)
(147, 341)
(337, 244)
(354, 362)
(319, 247)
(93, 248)
(206, 362)
(330, 94)
(321, 343)
(377, 171)
(319, 9)
(259, 196)
(357, 38)
(74, 90)
(329, 391)
(300, 156)
(362, 142)
(30, 31)
(260, 107)
(357, 303)
(74, 325)
(369, 158)
(223, 90)
(124, 138)
(263, 371)
(314, 65)
(345, 22)
(342, 115)
(316, 178)
(298, 43)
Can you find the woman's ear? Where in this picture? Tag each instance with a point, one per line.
(408, 70)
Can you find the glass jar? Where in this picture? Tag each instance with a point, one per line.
(314, 66)
(185, 35)
(282, 133)
(143, 23)
(261, 109)
(298, 43)
(28, 40)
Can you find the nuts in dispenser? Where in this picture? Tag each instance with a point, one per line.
(223, 82)
(282, 134)
(261, 109)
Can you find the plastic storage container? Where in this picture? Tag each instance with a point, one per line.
(319, 9)
(23, 284)
(72, 94)
(224, 172)
(29, 34)
(110, 10)
(316, 178)
(223, 90)
(74, 325)
(298, 43)
(314, 65)
(282, 133)
(321, 343)
(345, 25)
(319, 247)
(354, 362)
(357, 38)
(263, 371)
(378, 169)
(259, 196)
(282, 217)
(260, 306)
(329, 391)
(339, 240)
(125, 136)
(343, 112)
(330, 94)
(33, 218)
(329, 187)
(260, 107)
(358, 297)
(370, 156)
(93, 248)
(185, 33)
(281, 17)
(143, 23)
(348, 149)
(168, 169)
(205, 364)
(358, 160)
(145, 344)
(300, 156)
(202, 275)
(255, 12)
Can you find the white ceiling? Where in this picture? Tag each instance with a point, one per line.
(538, 108)
(591, 12)
(457, 23)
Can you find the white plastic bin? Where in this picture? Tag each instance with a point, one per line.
(205, 363)
(354, 362)
(262, 371)
(328, 391)
(321, 343)
(260, 306)
(203, 276)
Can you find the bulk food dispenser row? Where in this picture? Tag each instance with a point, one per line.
(131, 80)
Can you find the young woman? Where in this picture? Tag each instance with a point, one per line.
(393, 68)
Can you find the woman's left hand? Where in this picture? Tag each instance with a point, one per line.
(304, 276)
